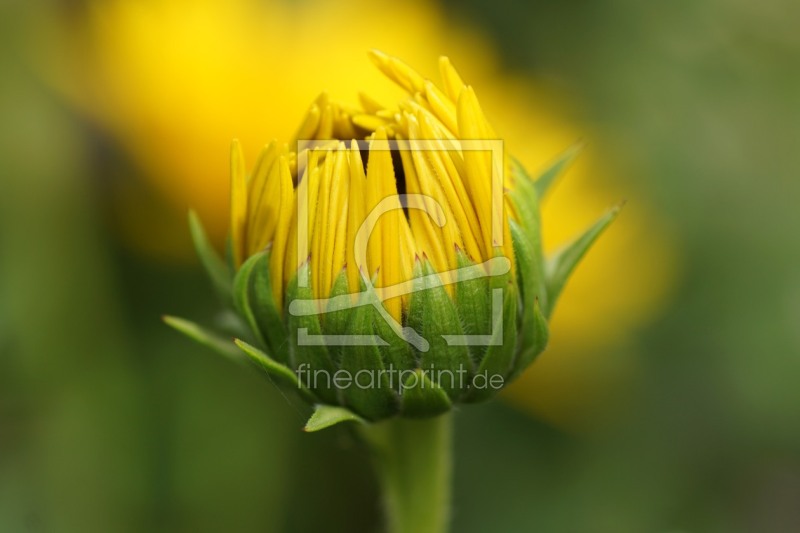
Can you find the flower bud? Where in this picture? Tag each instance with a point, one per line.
(389, 262)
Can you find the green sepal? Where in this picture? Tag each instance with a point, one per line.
(310, 357)
(549, 176)
(524, 198)
(207, 338)
(217, 270)
(339, 314)
(241, 296)
(528, 353)
(268, 319)
(529, 285)
(473, 304)
(375, 398)
(325, 416)
(422, 398)
(433, 315)
(559, 267)
(397, 354)
(500, 354)
(282, 375)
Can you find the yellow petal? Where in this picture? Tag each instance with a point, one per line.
(408, 251)
(425, 232)
(370, 122)
(355, 214)
(333, 257)
(453, 189)
(440, 131)
(442, 106)
(286, 204)
(369, 104)
(342, 124)
(379, 170)
(320, 221)
(448, 235)
(308, 129)
(311, 203)
(397, 71)
(262, 201)
(450, 79)
(390, 228)
(325, 130)
(408, 77)
(290, 263)
(478, 163)
(306, 195)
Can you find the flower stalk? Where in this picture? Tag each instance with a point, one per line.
(413, 462)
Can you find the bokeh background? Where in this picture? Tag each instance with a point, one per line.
(669, 401)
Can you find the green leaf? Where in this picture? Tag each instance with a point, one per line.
(215, 267)
(433, 315)
(559, 267)
(325, 416)
(283, 375)
(548, 177)
(307, 353)
(207, 338)
(422, 398)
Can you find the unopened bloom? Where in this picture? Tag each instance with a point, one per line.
(389, 260)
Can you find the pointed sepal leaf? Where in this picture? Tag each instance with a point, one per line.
(338, 314)
(473, 303)
(423, 398)
(527, 238)
(531, 285)
(308, 353)
(544, 183)
(217, 270)
(559, 267)
(241, 296)
(205, 337)
(397, 353)
(433, 315)
(496, 364)
(368, 390)
(325, 416)
(264, 310)
(282, 375)
(537, 344)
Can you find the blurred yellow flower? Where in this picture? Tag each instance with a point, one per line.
(174, 81)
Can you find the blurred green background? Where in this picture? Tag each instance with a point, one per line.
(111, 422)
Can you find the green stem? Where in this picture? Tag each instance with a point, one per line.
(413, 460)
